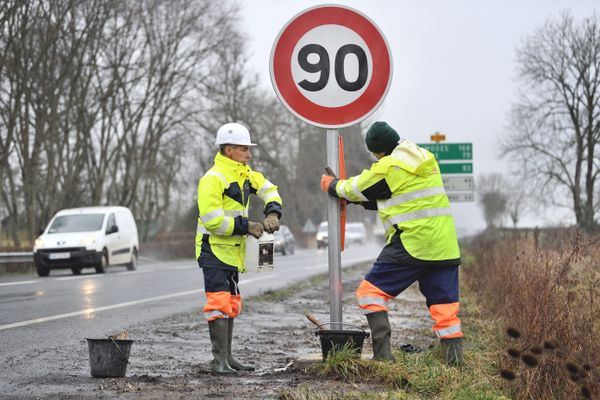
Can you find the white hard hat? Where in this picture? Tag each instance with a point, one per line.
(233, 133)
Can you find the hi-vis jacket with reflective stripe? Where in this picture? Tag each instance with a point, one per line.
(223, 212)
(407, 190)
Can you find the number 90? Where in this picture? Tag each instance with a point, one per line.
(323, 65)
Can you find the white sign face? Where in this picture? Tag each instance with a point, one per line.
(461, 197)
(340, 56)
(331, 66)
(458, 183)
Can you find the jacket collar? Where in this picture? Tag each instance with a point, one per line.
(228, 163)
(412, 158)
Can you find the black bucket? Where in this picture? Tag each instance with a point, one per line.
(332, 339)
(109, 357)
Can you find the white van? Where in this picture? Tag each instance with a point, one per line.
(96, 237)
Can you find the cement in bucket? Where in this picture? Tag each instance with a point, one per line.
(109, 357)
(335, 339)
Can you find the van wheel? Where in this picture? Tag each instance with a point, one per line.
(134, 260)
(292, 249)
(76, 270)
(101, 268)
(42, 270)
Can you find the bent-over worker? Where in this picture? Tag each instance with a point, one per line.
(405, 187)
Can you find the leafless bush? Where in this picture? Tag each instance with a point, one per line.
(549, 296)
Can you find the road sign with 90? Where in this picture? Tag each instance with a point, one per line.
(331, 66)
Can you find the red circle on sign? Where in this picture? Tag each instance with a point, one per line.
(286, 88)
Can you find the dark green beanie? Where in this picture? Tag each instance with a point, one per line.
(381, 138)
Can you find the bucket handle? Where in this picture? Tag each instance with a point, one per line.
(341, 323)
(119, 348)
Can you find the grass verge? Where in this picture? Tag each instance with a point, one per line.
(417, 375)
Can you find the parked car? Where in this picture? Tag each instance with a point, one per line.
(96, 237)
(284, 242)
(322, 235)
(356, 233)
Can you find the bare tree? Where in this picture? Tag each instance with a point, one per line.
(493, 198)
(555, 127)
(43, 46)
(96, 98)
(518, 202)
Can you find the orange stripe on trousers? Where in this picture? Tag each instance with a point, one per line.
(236, 305)
(218, 301)
(445, 316)
(367, 289)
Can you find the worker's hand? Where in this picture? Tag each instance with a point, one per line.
(271, 222)
(325, 182)
(255, 229)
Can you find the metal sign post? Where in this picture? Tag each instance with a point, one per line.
(333, 229)
(331, 67)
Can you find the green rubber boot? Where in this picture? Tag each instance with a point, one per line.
(233, 363)
(219, 333)
(453, 351)
(379, 323)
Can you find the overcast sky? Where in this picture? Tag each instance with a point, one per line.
(454, 67)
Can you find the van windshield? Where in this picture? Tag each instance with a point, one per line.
(77, 223)
(354, 228)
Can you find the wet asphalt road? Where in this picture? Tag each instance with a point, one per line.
(62, 309)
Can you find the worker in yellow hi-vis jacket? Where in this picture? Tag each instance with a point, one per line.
(223, 198)
(405, 187)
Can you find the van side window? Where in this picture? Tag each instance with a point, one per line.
(111, 222)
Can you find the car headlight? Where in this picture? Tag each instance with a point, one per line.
(88, 241)
(38, 243)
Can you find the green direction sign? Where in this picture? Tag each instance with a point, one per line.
(456, 168)
(450, 151)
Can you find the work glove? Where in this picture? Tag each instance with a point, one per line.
(325, 182)
(255, 229)
(271, 223)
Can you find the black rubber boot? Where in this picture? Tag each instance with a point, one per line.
(233, 363)
(379, 323)
(219, 333)
(453, 351)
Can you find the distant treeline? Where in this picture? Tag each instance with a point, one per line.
(112, 102)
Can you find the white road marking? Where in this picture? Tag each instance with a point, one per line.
(132, 272)
(98, 309)
(182, 267)
(17, 283)
(74, 278)
(260, 278)
(114, 306)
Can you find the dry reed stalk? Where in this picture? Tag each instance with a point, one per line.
(548, 293)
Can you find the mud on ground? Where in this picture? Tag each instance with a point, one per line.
(170, 358)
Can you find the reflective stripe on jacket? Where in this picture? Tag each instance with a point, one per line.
(409, 194)
(223, 203)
